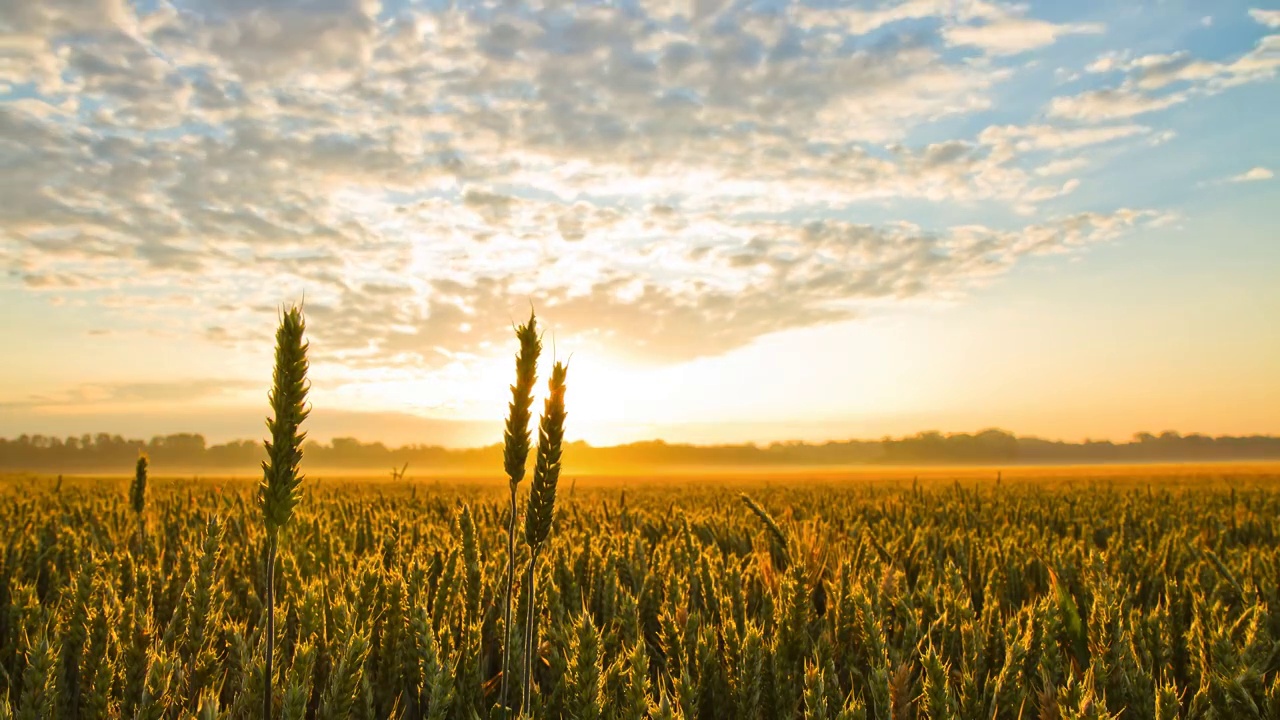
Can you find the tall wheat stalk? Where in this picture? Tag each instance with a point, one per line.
(514, 456)
(542, 504)
(279, 492)
(138, 497)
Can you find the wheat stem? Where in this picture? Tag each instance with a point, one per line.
(529, 636)
(515, 455)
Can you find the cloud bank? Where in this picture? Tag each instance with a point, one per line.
(674, 179)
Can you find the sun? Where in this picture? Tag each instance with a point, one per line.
(610, 398)
(604, 394)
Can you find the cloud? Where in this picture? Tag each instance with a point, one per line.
(860, 21)
(1111, 104)
(1270, 18)
(1253, 175)
(1107, 62)
(1062, 167)
(1156, 82)
(675, 179)
(105, 395)
(998, 29)
(1050, 137)
(713, 288)
(1009, 34)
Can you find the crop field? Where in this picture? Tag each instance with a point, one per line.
(1055, 593)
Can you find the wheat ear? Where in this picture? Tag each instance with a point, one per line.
(279, 491)
(138, 496)
(515, 454)
(542, 503)
(770, 524)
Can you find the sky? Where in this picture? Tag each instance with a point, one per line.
(739, 221)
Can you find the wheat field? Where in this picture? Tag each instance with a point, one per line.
(1057, 593)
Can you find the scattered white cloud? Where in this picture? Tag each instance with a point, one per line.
(860, 20)
(1270, 18)
(1007, 33)
(1050, 137)
(1252, 175)
(1158, 81)
(1062, 167)
(1108, 62)
(1110, 104)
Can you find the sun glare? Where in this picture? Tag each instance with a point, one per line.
(603, 392)
(609, 399)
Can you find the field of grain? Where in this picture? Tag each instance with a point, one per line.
(1055, 593)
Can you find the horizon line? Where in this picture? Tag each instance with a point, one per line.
(1134, 438)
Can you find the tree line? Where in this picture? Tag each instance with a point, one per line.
(105, 452)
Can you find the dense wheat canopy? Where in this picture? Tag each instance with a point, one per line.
(1070, 596)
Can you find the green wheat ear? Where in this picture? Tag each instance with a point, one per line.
(546, 471)
(775, 532)
(542, 505)
(279, 491)
(138, 490)
(516, 435)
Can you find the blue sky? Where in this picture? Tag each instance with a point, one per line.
(697, 196)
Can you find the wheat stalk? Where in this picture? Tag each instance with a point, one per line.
(542, 502)
(138, 490)
(279, 492)
(546, 471)
(138, 496)
(514, 456)
(471, 561)
(770, 524)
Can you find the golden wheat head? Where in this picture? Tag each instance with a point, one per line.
(546, 470)
(516, 440)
